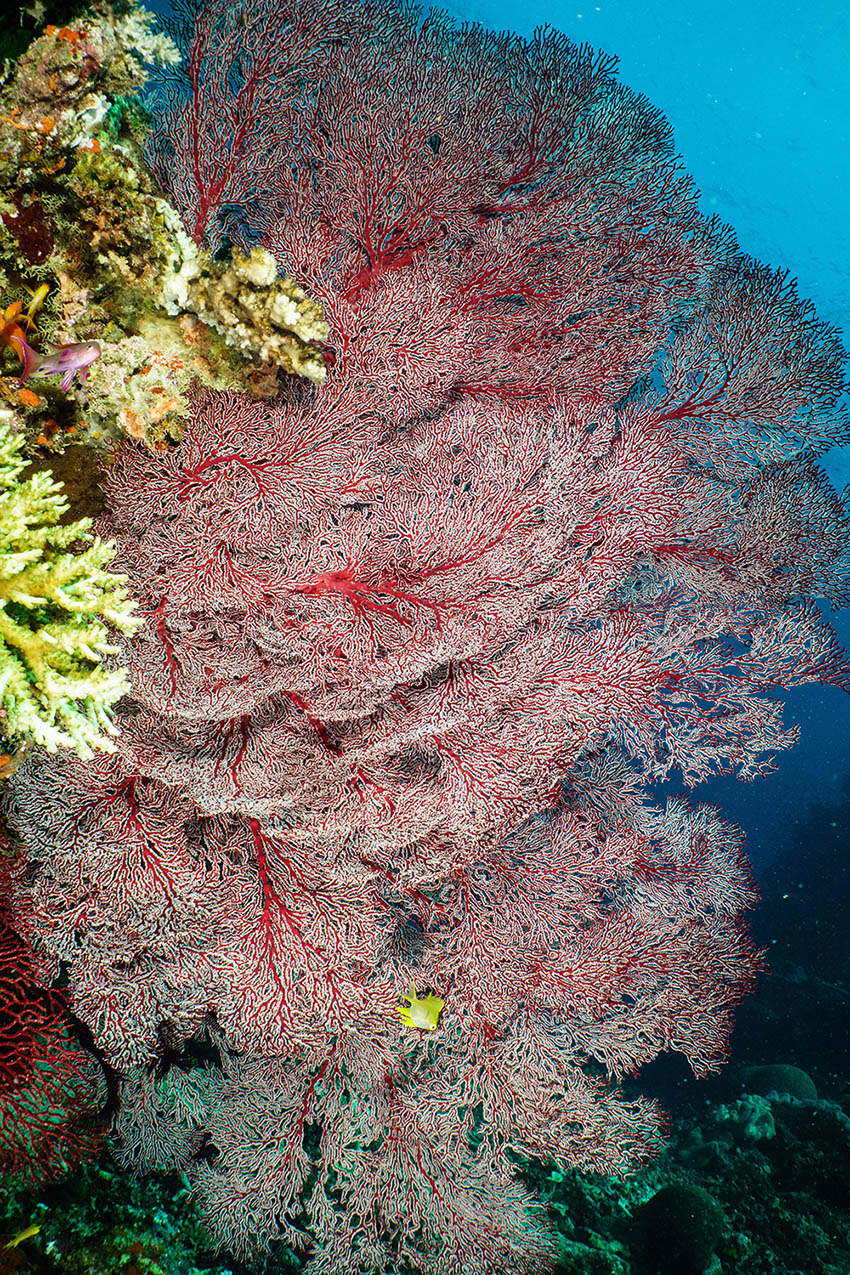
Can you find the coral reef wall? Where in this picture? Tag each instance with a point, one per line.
(417, 639)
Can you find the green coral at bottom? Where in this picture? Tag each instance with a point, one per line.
(56, 603)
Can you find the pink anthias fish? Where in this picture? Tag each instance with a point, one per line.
(64, 359)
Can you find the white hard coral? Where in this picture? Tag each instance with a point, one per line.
(269, 319)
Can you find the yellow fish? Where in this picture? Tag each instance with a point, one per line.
(424, 1013)
(37, 299)
(31, 1230)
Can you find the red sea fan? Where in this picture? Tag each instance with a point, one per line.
(417, 642)
(50, 1090)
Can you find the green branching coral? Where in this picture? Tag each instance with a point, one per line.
(54, 610)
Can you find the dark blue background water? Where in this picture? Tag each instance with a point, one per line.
(758, 94)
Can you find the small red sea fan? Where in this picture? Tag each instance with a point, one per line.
(49, 1086)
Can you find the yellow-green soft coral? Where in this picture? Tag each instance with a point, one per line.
(54, 610)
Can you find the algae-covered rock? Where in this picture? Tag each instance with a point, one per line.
(768, 1078)
(677, 1231)
(82, 220)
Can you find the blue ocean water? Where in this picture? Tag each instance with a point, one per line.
(757, 93)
